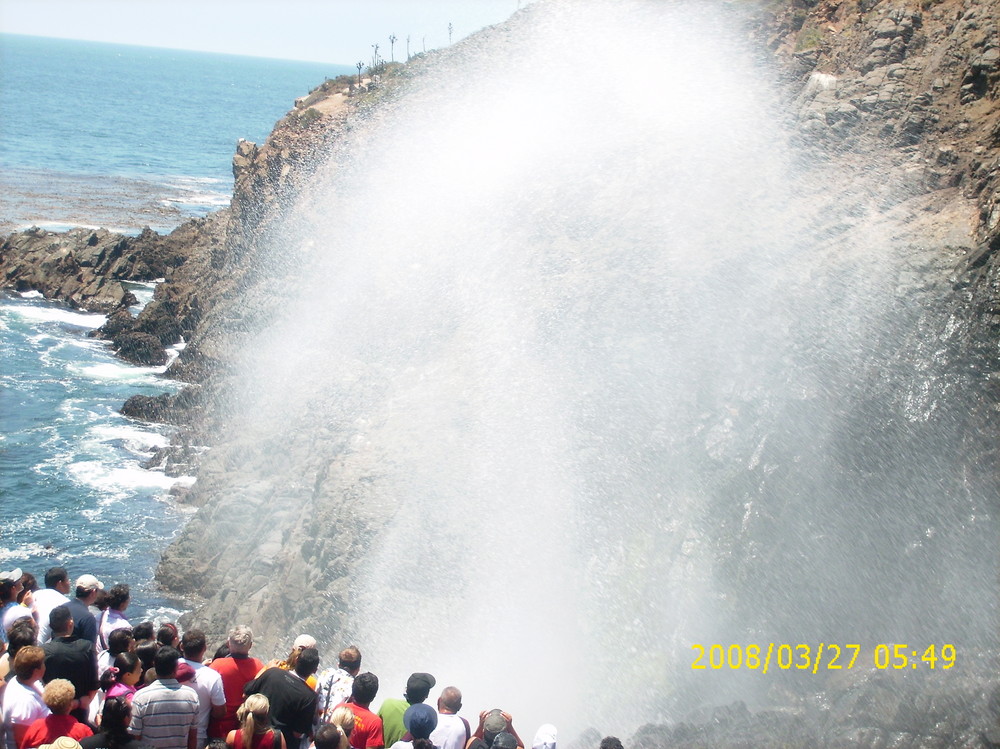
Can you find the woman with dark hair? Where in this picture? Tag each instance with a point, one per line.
(10, 609)
(22, 633)
(167, 634)
(114, 617)
(146, 652)
(114, 728)
(29, 585)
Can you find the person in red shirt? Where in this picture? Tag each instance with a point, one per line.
(58, 697)
(237, 669)
(367, 733)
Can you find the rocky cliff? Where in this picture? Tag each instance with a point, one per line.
(908, 88)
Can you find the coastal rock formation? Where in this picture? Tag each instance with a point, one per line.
(917, 86)
(891, 87)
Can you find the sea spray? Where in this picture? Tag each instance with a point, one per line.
(582, 370)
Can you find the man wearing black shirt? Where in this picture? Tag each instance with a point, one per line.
(70, 657)
(293, 703)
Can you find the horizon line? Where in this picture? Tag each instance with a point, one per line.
(174, 49)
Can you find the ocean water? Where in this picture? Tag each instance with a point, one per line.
(122, 137)
(72, 486)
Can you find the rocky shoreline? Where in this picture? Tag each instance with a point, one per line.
(917, 82)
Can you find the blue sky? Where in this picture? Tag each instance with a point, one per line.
(338, 31)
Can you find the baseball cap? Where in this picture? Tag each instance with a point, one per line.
(89, 582)
(419, 683)
(14, 575)
(420, 720)
(304, 641)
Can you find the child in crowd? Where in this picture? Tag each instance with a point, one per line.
(120, 680)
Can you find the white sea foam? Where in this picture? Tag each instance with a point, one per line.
(135, 439)
(40, 338)
(197, 191)
(199, 199)
(21, 552)
(117, 482)
(143, 292)
(32, 294)
(118, 372)
(58, 314)
(160, 615)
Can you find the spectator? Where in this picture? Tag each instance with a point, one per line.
(331, 736)
(70, 657)
(419, 720)
(114, 733)
(453, 731)
(55, 593)
(10, 609)
(255, 731)
(491, 724)
(22, 702)
(207, 683)
(120, 680)
(144, 631)
(58, 696)
(418, 687)
(22, 633)
(334, 684)
(545, 737)
(113, 617)
(84, 623)
(121, 641)
(167, 634)
(293, 703)
(236, 670)
(165, 713)
(367, 733)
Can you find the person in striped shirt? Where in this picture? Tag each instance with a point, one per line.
(165, 713)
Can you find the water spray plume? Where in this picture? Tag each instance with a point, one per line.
(568, 357)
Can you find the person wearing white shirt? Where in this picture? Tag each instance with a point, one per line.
(55, 593)
(207, 683)
(114, 617)
(452, 731)
(22, 702)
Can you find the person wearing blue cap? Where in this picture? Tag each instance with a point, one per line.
(420, 720)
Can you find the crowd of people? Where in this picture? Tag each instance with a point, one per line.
(78, 675)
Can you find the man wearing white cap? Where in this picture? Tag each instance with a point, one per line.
(85, 625)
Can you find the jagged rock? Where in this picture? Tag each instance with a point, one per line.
(160, 319)
(155, 408)
(140, 348)
(118, 322)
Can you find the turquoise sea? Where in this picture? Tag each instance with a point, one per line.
(122, 137)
